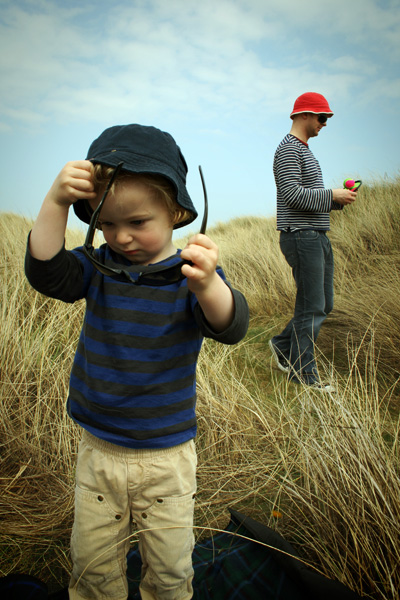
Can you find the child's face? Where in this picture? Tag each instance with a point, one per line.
(136, 224)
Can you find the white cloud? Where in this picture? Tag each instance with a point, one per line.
(96, 62)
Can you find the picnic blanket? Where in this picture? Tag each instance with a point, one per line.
(230, 567)
(247, 561)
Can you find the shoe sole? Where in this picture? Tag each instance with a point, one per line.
(324, 389)
(276, 358)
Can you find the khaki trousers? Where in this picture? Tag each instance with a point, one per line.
(153, 488)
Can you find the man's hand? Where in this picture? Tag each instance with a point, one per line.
(343, 196)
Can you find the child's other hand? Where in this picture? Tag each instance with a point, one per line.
(74, 182)
(203, 253)
(213, 295)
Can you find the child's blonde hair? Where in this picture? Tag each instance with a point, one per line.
(163, 189)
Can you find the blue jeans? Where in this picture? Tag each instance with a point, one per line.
(309, 253)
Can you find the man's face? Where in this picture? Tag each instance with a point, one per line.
(313, 125)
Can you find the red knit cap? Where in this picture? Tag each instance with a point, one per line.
(311, 102)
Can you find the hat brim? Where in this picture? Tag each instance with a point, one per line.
(139, 165)
(312, 112)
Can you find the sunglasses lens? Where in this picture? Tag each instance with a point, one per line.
(166, 277)
(98, 265)
(163, 277)
(322, 119)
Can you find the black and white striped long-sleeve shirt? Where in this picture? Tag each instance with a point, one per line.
(302, 200)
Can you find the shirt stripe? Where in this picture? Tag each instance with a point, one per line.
(302, 200)
(133, 380)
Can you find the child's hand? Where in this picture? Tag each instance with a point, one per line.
(203, 253)
(213, 295)
(74, 182)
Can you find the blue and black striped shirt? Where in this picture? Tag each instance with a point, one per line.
(302, 200)
(133, 381)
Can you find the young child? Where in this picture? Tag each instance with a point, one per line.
(133, 381)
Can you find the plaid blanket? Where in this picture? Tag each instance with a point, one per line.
(227, 567)
(230, 567)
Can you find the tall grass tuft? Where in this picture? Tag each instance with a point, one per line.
(323, 470)
(342, 483)
(37, 439)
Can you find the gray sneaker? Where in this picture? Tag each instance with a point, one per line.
(314, 383)
(281, 362)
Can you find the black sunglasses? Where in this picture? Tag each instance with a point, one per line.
(148, 275)
(322, 119)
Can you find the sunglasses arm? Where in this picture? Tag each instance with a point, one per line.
(95, 216)
(205, 215)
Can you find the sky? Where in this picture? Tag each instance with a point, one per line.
(220, 76)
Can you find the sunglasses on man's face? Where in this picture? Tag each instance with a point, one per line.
(322, 119)
(148, 275)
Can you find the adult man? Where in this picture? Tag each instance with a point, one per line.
(303, 215)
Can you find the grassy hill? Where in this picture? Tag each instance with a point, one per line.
(322, 470)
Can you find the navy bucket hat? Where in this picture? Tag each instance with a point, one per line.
(142, 149)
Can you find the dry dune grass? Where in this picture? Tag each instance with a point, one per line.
(250, 254)
(366, 243)
(38, 441)
(328, 465)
